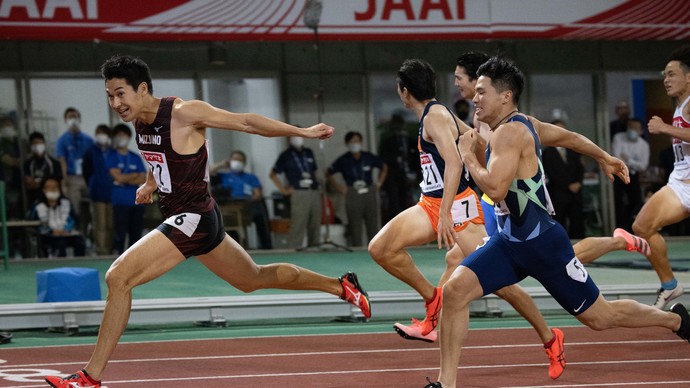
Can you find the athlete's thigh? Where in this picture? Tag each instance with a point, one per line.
(150, 257)
(663, 208)
(409, 228)
(471, 238)
(230, 262)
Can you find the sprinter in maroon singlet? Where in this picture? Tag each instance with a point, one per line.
(171, 133)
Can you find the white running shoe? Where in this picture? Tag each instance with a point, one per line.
(665, 296)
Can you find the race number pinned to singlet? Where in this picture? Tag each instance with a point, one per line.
(159, 167)
(576, 270)
(185, 222)
(431, 178)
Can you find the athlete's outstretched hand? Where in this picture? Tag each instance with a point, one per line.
(319, 131)
(145, 193)
(614, 166)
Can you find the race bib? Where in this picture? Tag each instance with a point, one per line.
(159, 167)
(185, 222)
(463, 210)
(576, 270)
(432, 179)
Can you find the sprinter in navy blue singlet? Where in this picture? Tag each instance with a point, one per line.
(529, 242)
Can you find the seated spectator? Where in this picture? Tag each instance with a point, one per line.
(38, 167)
(128, 172)
(59, 221)
(245, 186)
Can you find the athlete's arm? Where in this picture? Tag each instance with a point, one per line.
(145, 191)
(657, 126)
(439, 128)
(555, 136)
(200, 114)
(506, 146)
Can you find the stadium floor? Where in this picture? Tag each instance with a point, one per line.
(191, 279)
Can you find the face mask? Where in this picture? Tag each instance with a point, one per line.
(355, 147)
(296, 142)
(8, 132)
(102, 139)
(632, 134)
(236, 165)
(121, 142)
(52, 195)
(72, 123)
(38, 149)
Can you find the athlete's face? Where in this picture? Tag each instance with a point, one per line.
(124, 100)
(463, 83)
(487, 100)
(676, 82)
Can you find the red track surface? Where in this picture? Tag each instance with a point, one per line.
(492, 358)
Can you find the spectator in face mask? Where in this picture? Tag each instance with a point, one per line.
(630, 147)
(70, 150)
(128, 172)
(38, 167)
(245, 186)
(360, 190)
(100, 185)
(298, 165)
(58, 221)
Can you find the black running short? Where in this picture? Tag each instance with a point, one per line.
(195, 234)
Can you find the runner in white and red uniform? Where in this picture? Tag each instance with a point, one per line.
(171, 137)
(671, 203)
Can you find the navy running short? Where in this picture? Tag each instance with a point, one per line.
(549, 258)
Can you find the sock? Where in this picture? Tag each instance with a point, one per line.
(669, 285)
(548, 344)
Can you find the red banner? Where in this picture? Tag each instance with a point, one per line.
(251, 20)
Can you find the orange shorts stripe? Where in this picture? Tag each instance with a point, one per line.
(466, 208)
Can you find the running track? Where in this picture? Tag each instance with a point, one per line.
(492, 358)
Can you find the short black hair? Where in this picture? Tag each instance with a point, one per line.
(240, 153)
(419, 78)
(132, 69)
(504, 76)
(35, 135)
(122, 128)
(71, 109)
(352, 134)
(682, 55)
(103, 128)
(470, 61)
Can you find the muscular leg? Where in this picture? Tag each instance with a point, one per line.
(592, 248)
(604, 315)
(662, 209)
(409, 228)
(523, 304)
(468, 240)
(149, 258)
(462, 288)
(234, 265)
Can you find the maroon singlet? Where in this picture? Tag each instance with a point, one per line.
(182, 179)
